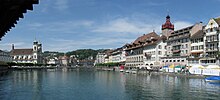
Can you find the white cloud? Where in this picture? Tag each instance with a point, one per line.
(181, 24)
(127, 26)
(61, 4)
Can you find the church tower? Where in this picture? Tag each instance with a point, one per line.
(167, 27)
(37, 52)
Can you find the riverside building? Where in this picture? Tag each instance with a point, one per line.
(30, 55)
(5, 56)
(211, 42)
(153, 50)
(118, 56)
(197, 45)
(100, 58)
(148, 49)
(179, 46)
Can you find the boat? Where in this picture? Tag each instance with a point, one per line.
(122, 68)
(134, 71)
(213, 79)
(128, 71)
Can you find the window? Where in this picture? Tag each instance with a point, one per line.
(186, 51)
(159, 46)
(186, 45)
(200, 47)
(196, 48)
(211, 29)
(159, 52)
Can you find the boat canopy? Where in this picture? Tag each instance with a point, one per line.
(197, 67)
(213, 67)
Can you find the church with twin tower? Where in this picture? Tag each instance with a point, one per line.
(28, 55)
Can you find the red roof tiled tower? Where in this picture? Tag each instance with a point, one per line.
(168, 24)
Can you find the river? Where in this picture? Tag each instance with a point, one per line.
(102, 85)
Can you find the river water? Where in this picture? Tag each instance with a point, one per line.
(102, 85)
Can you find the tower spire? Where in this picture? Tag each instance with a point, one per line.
(167, 27)
(168, 24)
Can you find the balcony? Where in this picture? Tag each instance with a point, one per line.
(211, 49)
(211, 41)
(179, 36)
(176, 44)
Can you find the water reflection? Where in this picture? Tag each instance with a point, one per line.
(101, 85)
(159, 87)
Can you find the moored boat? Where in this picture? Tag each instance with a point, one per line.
(213, 79)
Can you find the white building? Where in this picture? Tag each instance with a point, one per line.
(64, 60)
(100, 58)
(118, 56)
(212, 43)
(197, 45)
(53, 61)
(31, 55)
(134, 51)
(154, 51)
(5, 56)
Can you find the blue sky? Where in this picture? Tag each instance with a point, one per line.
(66, 25)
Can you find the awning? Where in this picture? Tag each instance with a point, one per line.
(165, 66)
(196, 52)
(213, 67)
(178, 66)
(197, 67)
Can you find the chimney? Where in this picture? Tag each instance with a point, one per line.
(13, 47)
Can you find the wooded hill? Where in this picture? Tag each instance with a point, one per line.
(85, 53)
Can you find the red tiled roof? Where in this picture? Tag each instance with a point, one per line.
(22, 52)
(145, 37)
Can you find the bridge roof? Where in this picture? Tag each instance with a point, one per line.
(11, 11)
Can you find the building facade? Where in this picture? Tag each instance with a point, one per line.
(178, 47)
(212, 43)
(197, 47)
(100, 58)
(154, 50)
(118, 56)
(5, 56)
(31, 55)
(134, 51)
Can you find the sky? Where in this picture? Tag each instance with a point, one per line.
(67, 25)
